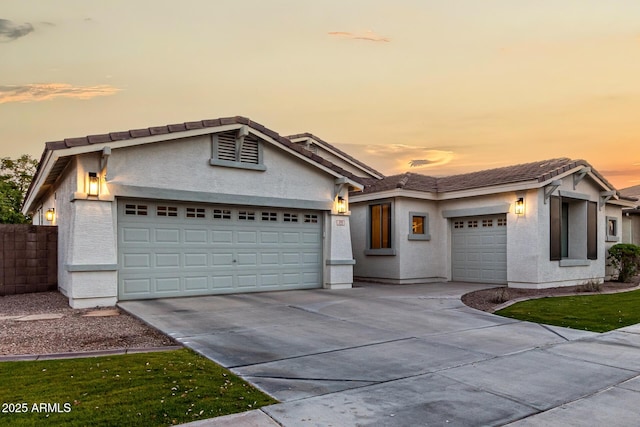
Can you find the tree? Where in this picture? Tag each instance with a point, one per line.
(15, 177)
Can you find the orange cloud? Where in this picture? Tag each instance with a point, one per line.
(36, 92)
(397, 158)
(367, 35)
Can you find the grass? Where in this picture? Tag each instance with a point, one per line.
(596, 313)
(147, 389)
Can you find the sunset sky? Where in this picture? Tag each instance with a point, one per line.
(460, 85)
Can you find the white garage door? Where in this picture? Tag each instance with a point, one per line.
(479, 249)
(176, 249)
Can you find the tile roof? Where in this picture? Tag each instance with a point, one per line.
(631, 191)
(535, 171)
(334, 148)
(182, 127)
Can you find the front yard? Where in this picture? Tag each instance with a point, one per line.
(596, 313)
(150, 389)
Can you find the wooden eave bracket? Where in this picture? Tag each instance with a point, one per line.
(579, 176)
(549, 189)
(604, 198)
(243, 131)
(338, 186)
(104, 161)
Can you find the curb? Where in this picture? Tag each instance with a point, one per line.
(568, 294)
(82, 354)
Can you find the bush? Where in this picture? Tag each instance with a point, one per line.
(592, 285)
(625, 258)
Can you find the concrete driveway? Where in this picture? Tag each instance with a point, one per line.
(406, 356)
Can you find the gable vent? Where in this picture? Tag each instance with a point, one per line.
(227, 146)
(249, 152)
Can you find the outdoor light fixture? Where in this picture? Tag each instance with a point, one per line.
(93, 188)
(50, 214)
(342, 205)
(519, 210)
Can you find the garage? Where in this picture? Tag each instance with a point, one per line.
(479, 249)
(170, 249)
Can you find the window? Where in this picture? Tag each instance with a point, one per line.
(167, 211)
(573, 230)
(472, 224)
(290, 217)
(311, 218)
(502, 222)
(246, 216)
(238, 149)
(612, 229)
(131, 209)
(419, 226)
(221, 214)
(380, 226)
(458, 224)
(195, 213)
(487, 223)
(269, 216)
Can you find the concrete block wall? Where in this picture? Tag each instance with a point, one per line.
(28, 259)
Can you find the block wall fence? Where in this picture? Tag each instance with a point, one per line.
(28, 259)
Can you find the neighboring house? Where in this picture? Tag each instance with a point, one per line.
(631, 217)
(535, 225)
(227, 206)
(208, 207)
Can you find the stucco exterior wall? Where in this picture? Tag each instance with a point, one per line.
(553, 273)
(184, 165)
(88, 260)
(373, 267)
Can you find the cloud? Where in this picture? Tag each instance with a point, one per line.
(45, 91)
(397, 158)
(10, 31)
(367, 35)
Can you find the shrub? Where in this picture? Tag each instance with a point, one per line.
(500, 295)
(625, 258)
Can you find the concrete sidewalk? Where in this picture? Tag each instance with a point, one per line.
(404, 356)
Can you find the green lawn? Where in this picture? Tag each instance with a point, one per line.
(146, 389)
(597, 313)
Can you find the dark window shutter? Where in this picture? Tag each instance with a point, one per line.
(592, 230)
(555, 242)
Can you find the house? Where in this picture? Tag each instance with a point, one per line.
(631, 217)
(198, 208)
(227, 206)
(535, 225)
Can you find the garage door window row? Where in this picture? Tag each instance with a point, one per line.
(218, 214)
(500, 222)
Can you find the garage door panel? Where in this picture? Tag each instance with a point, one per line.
(196, 260)
(136, 235)
(162, 255)
(166, 235)
(200, 283)
(167, 260)
(222, 236)
(478, 251)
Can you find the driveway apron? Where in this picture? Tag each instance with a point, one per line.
(405, 356)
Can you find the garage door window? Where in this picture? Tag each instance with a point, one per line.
(221, 214)
(167, 211)
(311, 218)
(246, 216)
(269, 216)
(290, 217)
(195, 213)
(140, 210)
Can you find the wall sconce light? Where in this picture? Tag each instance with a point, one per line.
(342, 205)
(93, 184)
(519, 209)
(50, 214)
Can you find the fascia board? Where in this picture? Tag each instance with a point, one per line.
(82, 149)
(304, 158)
(340, 156)
(486, 191)
(49, 161)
